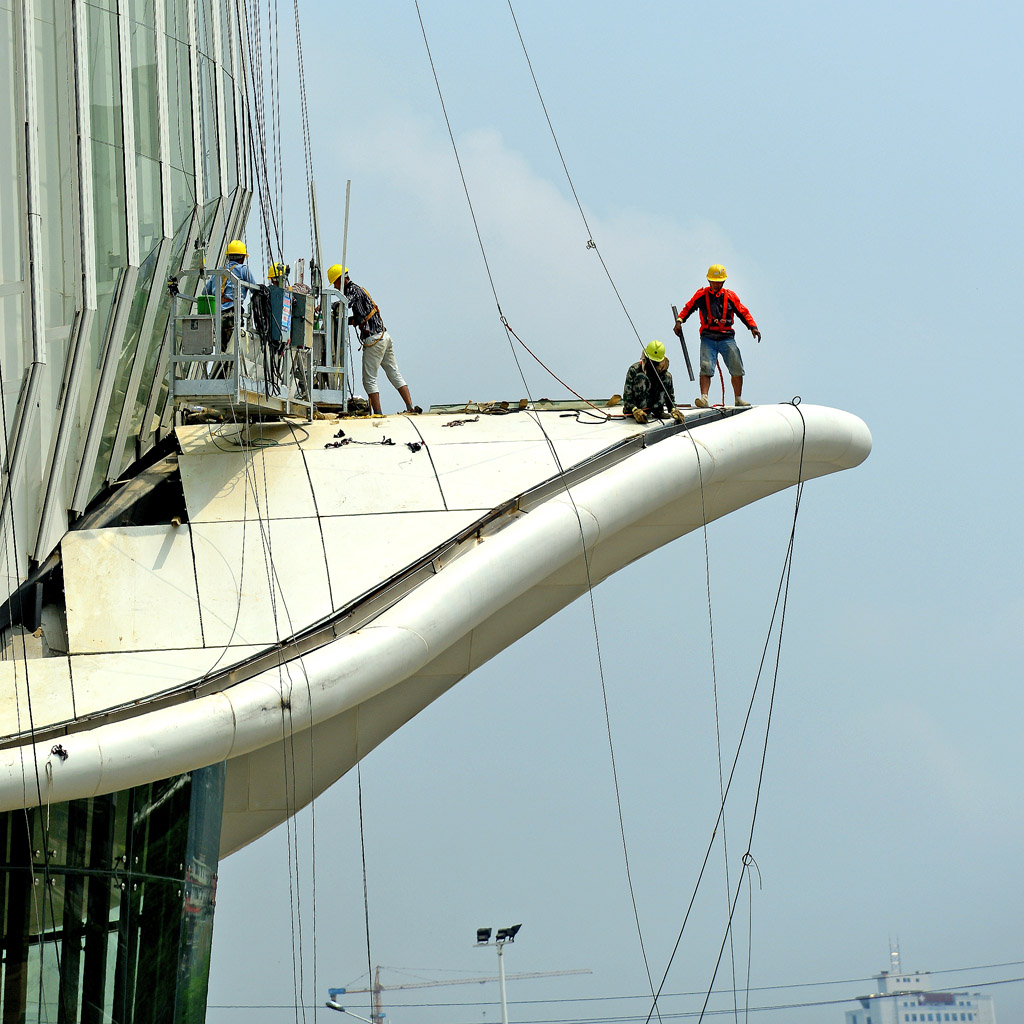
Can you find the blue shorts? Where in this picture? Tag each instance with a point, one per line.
(712, 348)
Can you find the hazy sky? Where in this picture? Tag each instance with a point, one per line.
(857, 168)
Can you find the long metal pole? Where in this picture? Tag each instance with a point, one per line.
(501, 983)
(346, 372)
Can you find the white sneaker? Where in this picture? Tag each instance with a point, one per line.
(702, 402)
(740, 402)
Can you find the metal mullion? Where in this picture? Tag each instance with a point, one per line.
(53, 520)
(166, 246)
(125, 295)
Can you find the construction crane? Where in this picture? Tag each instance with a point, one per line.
(377, 988)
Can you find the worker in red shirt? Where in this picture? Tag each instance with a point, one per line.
(717, 307)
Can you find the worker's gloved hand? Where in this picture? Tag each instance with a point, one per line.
(757, 334)
(677, 329)
(677, 415)
(639, 415)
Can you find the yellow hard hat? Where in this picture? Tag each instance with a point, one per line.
(336, 271)
(655, 351)
(277, 270)
(236, 247)
(716, 272)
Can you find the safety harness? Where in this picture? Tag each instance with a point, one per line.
(710, 322)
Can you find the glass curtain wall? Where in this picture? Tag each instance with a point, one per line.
(130, 152)
(107, 905)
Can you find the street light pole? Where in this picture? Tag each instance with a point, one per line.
(501, 983)
(483, 938)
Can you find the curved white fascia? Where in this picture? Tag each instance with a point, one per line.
(756, 454)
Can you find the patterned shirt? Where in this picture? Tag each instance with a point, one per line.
(637, 392)
(363, 311)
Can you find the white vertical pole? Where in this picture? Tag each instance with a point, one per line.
(501, 983)
(346, 370)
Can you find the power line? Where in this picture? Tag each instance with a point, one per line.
(669, 995)
(628, 1019)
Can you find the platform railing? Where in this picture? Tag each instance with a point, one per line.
(263, 365)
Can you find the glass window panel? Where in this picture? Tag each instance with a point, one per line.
(150, 204)
(147, 123)
(104, 76)
(205, 29)
(56, 155)
(230, 155)
(227, 34)
(107, 149)
(114, 920)
(176, 19)
(208, 117)
(143, 12)
(11, 321)
(179, 105)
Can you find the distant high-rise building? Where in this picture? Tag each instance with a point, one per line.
(908, 998)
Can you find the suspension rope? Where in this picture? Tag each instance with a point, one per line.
(362, 850)
(714, 689)
(508, 327)
(591, 244)
(7, 503)
(579, 519)
(307, 145)
(781, 596)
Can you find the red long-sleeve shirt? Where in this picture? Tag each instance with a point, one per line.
(716, 312)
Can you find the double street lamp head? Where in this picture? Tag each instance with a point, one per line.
(483, 935)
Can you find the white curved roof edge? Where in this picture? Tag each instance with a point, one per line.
(754, 455)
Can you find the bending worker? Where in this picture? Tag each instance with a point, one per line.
(374, 340)
(718, 306)
(236, 267)
(648, 389)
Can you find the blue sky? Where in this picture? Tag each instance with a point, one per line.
(857, 169)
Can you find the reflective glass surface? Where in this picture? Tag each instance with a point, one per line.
(76, 132)
(107, 904)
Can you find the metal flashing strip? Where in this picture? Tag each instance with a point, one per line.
(374, 602)
(111, 353)
(113, 470)
(146, 428)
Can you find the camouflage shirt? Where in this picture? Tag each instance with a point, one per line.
(637, 392)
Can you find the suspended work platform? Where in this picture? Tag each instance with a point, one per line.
(249, 366)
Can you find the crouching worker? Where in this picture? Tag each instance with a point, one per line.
(648, 389)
